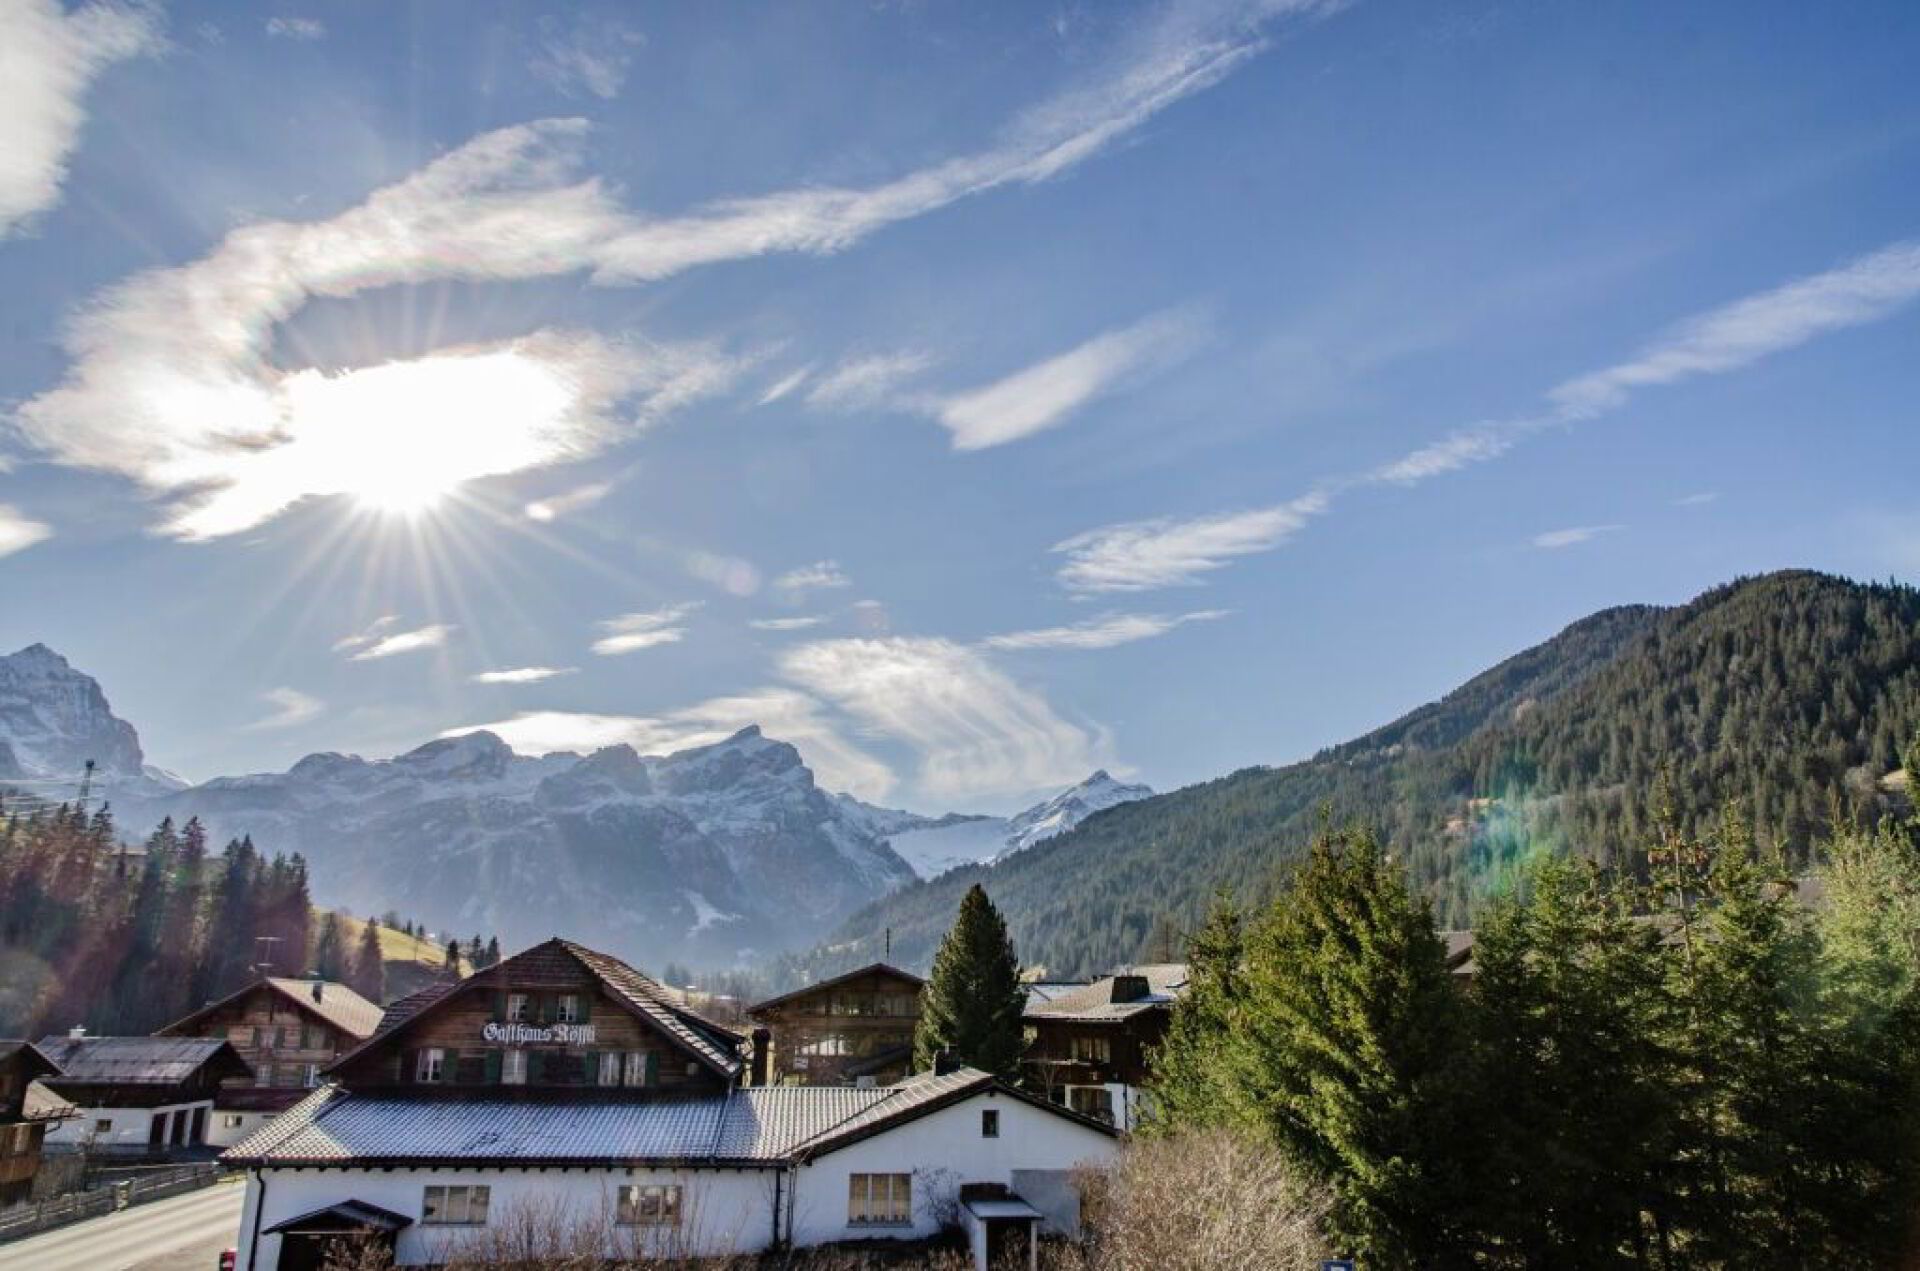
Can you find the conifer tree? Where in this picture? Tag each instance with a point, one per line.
(1194, 1079)
(973, 1001)
(450, 964)
(369, 965)
(492, 954)
(330, 949)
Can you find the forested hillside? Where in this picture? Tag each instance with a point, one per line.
(1790, 694)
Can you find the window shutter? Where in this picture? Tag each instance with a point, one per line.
(593, 1068)
(586, 1008)
(499, 1004)
(409, 1066)
(493, 1067)
(651, 1071)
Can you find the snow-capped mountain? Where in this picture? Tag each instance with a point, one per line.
(704, 853)
(934, 846)
(53, 719)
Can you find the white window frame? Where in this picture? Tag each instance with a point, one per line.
(609, 1074)
(513, 1068)
(232, 1120)
(518, 1008)
(455, 1205)
(431, 1066)
(648, 1205)
(880, 1200)
(566, 1009)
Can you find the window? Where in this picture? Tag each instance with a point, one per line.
(103, 1126)
(312, 1076)
(517, 1008)
(636, 1068)
(290, 1037)
(263, 1074)
(513, 1068)
(455, 1206)
(232, 1120)
(880, 1200)
(1092, 1050)
(649, 1205)
(567, 1009)
(1092, 1101)
(610, 1069)
(990, 1123)
(430, 1065)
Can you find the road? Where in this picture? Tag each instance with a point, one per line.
(181, 1233)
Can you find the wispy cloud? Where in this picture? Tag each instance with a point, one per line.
(291, 707)
(782, 713)
(1698, 499)
(1101, 633)
(785, 385)
(1048, 392)
(172, 382)
(631, 632)
(786, 624)
(18, 531)
(975, 731)
(296, 28)
(586, 56)
(822, 575)
(523, 674)
(433, 636)
(367, 634)
(1143, 555)
(49, 58)
(1573, 535)
(555, 506)
(867, 382)
(1456, 450)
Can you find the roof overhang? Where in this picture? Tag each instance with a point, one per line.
(346, 1216)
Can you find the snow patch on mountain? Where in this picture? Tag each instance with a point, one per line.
(935, 845)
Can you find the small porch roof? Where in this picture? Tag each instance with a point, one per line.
(346, 1215)
(1002, 1207)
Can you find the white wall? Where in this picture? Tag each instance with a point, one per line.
(131, 1126)
(722, 1210)
(219, 1134)
(942, 1150)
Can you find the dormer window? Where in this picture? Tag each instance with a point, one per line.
(567, 1009)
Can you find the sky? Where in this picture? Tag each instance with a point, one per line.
(971, 394)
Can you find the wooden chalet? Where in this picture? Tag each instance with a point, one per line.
(1088, 1047)
(147, 1096)
(853, 1029)
(565, 1085)
(23, 1126)
(288, 1031)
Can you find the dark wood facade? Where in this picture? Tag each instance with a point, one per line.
(554, 1016)
(21, 1134)
(288, 1031)
(1083, 1044)
(855, 1027)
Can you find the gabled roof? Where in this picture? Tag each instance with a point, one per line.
(29, 1056)
(883, 968)
(1093, 1003)
(765, 1125)
(348, 1215)
(337, 1005)
(139, 1061)
(556, 963)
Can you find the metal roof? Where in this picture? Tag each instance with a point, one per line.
(137, 1061)
(1093, 1003)
(763, 1125)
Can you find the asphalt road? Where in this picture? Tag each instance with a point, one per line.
(181, 1233)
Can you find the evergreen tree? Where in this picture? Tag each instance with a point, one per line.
(974, 1000)
(1194, 1079)
(475, 952)
(369, 965)
(493, 951)
(330, 949)
(450, 964)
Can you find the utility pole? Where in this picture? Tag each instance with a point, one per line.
(86, 785)
(265, 964)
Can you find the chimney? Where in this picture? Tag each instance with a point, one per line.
(762, 1057)
(1128, 988)
(946, 1062)
(77, 1033)
(317, 986)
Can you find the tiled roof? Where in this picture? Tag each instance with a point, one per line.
(337, 1005)
(1094, 1002)
(31, 1056)
(761, 1125)
(558, 963)
(136, 1061)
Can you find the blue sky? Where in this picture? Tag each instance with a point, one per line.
(971, 394)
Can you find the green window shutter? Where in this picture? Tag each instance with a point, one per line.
(499, 1004)
(651, 1071)
(593, 1068)
(586, 1008)
(493, 1067)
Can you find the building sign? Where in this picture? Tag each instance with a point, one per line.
(538, 1035)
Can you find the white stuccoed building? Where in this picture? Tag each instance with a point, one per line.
(623, 1114)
